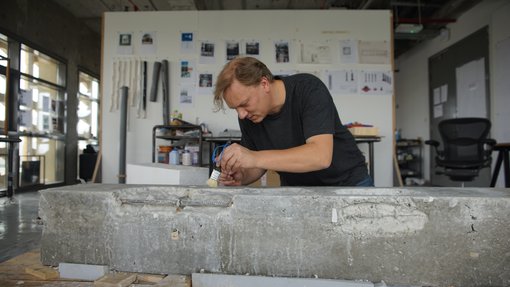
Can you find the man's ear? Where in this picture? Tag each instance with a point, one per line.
(264, 82)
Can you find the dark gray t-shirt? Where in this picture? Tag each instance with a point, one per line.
(308, 111)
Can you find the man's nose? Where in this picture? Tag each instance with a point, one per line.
(242, 113)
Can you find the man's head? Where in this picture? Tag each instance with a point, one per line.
(240, 84)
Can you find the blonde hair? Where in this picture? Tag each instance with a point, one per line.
(247, 70)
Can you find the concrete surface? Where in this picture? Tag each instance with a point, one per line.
(413, 236)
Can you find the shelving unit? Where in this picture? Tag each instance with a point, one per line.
(409, 156)
(184, 132)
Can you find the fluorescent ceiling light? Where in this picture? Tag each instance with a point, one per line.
(409, 28)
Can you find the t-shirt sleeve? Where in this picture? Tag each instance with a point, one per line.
(318, 110)
(246, 139)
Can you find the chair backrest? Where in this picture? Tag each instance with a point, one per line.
(463, 139)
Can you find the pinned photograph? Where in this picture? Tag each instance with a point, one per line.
(125, 40)
(187, 43)
(187, 69)
(252, 49)
(281, 49)
(232, 49)
(148, 42)
(125, 44)
(207, 53)
(147, 39)
(205, 83)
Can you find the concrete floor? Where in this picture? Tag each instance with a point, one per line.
(19, 228)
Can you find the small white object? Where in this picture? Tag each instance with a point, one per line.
(334, 215)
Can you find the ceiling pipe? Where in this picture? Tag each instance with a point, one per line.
(410, 4)
(153, 6)
(425, 21)
(366, 4)
(106, 6)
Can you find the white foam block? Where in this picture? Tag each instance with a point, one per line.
(82, 271)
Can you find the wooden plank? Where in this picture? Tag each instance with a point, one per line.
(175, 281)
(42, 272)
(148, 278)
(120, 279)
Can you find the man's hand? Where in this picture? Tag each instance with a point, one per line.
(230, 178)
(238, 166)
(235, 157)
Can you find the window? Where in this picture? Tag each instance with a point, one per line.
(88, 110)
(3, 92)
(3, 77)
(41, 118)
(88, 123)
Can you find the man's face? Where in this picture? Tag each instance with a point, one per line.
(248, 101)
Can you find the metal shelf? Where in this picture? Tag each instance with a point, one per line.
(184, 127)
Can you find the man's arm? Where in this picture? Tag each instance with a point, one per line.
(315, 154)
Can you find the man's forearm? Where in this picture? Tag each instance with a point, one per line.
(250, 175)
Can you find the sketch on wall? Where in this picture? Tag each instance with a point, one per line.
(343, 81)
(372, 82)
(349, 51)
(374, 52)
(315, 53)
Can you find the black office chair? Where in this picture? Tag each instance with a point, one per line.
(466, 148)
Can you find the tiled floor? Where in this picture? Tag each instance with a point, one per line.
(19, 228)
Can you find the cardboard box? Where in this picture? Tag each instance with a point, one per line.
(364, 131)
(270, 179)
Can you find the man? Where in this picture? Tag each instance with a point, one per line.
(289, 125)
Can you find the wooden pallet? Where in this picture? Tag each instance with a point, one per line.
(27, 270)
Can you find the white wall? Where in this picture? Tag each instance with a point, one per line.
(265, 26)
(411, 82)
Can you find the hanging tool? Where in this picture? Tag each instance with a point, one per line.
(166, 92)
(155, 80)
(144, 89)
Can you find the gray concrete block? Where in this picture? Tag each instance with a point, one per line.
(82, 271)
(403, 236)
(221, 280)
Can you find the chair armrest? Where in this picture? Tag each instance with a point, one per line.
(490, 142)
(433, 143)
(488, 148)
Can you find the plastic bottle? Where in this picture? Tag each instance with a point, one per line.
(174, 157)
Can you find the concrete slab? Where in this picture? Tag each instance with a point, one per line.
(407, 236)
